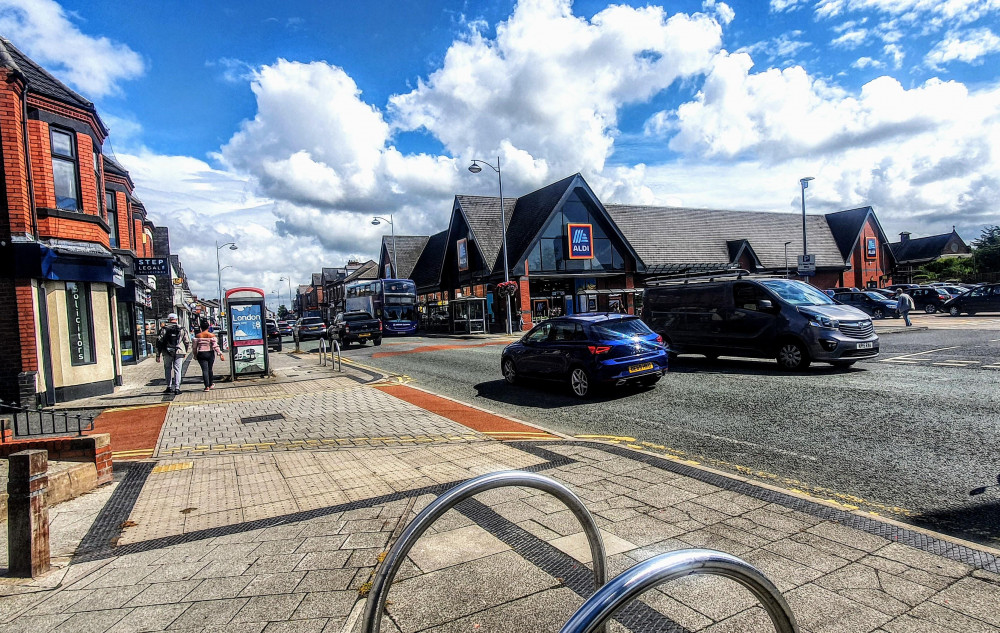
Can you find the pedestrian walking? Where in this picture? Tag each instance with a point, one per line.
(904, 303)
(206, 346)
(170, 342)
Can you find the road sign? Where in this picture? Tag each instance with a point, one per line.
(807, 265)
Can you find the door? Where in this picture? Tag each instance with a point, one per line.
(978, 300)
(557, 353)
(530, 361)
(749, 324)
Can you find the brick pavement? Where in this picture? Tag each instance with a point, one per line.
(287, 540)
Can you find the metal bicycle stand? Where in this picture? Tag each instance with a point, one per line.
(666, 567)
(323, 354)
(387, 571)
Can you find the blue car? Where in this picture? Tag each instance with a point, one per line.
(587, 350)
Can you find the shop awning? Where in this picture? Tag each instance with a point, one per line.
(63, 263)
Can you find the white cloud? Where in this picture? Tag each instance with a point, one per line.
(95, 66)
(784, 47)
(723, 12)
(927, 14)
(969, 47)
(778, 6)
(897, 54)
(867, 62)
(850, 39)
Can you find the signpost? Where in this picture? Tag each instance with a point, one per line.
(157, 266)
(807, 265)
(247, 332)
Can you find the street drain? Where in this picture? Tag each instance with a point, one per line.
(262, 418)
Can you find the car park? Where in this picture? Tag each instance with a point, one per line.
(273, 335)
(587, 351)
(355, 327)
(927, 298)
(984, 298)
(871, 303)
(737, 315)
(308, 328)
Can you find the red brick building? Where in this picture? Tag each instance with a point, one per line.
(68, 233)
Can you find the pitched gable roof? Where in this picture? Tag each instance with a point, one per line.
(530, 214)
(41, 82)
(407, 250)
(482, 213)
(846, 227)
(678, 236)
(923, 249)
(427, 269)
(368, 270)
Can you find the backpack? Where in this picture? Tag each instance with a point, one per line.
(169, 340)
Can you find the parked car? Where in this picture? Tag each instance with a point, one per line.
(273, 335)
(784, 319)
(309, 328)
(355, 327)
(928, 298)
(871, 303)
(954, 291)
(905, 287)
(285, 327)
(885, 292)
(981, 299)
(586, 351)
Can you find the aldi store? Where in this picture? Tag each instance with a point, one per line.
(569, 253)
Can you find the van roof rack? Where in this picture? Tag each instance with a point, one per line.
(701, 276)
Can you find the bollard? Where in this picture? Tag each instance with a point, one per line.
(27, 514)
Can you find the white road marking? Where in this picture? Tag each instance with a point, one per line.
(742, 442)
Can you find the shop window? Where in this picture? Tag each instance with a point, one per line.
(112, 207)
(80, 322)
(64, 170)
(97, 180)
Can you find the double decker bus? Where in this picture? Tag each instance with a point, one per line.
(392, 301)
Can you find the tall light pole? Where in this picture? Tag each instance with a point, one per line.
(218, 265)
(375, 221)
(804, 183)
(289, 280)
(786, 258)
(475, 168)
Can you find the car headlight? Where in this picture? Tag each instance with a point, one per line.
(818, 320)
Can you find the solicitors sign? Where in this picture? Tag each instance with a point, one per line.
(581, 241)
(152, 266)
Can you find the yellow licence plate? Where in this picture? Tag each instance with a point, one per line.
(365, 334)
(635, 369)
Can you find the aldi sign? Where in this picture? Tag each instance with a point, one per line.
(581, 241)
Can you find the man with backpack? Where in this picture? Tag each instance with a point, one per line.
(170, 342)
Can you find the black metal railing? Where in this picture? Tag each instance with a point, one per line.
(25, 422)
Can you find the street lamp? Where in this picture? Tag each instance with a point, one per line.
(375, 222)
(232, 246)
(786, 258)
(289, 280)
(475, 168)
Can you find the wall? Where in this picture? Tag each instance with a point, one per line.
(73, 380)
(864, 269)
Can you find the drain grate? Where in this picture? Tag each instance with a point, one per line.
(262, 418)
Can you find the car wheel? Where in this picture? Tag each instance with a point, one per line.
(953, 311)
(792, 356)
(376, 342)
(930, 308)
(843, 364)
(509, 371)
(878, 314)
(580, 382)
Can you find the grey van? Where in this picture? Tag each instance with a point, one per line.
(784, 319)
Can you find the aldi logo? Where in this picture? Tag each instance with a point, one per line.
(581, 241)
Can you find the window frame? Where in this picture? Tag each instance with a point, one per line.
(73, 159)
(112, 212)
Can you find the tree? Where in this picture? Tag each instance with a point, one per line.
(987, 250)
(282, 311)
(946, 269)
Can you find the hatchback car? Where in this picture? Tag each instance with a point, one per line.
(928, 298)
(871, 303)
(309, 328)
(285, 327)
(980, 299)
(273, 335)
(586, 351)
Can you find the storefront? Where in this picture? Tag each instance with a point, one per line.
(134, 303)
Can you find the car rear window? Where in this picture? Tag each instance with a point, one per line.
(357, 316)
(621, 329)
(312, 321)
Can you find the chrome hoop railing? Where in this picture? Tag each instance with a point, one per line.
(387, 571)
(601, 606)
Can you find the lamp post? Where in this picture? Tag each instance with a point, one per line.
(475, 168)
(218, 266)
(804, 183)
(289, 280)
(786, 258)
(392, 227)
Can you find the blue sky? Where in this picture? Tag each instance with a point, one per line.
(284, 126)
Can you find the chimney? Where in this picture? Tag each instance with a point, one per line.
(904, 236)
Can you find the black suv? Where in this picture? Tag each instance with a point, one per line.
(928, 298)
(273, 335)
